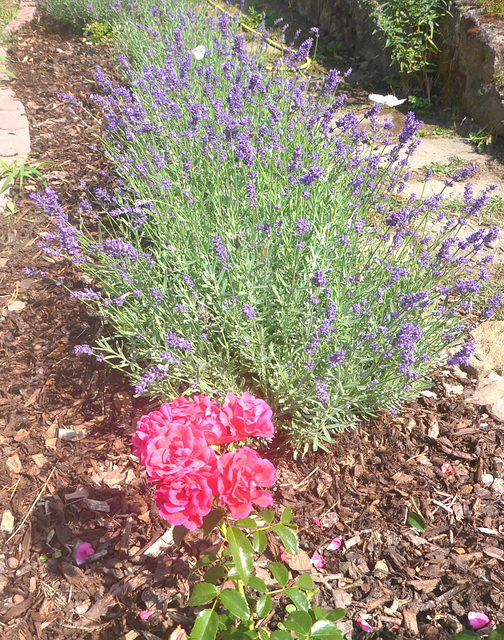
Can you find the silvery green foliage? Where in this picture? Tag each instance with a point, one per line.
(258, 239)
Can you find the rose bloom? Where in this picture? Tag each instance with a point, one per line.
(248, 416)
(182, 449)
(207, 416)
(155, 423)
(240, 473)
(185, 498)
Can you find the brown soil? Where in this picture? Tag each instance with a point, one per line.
(61, 491)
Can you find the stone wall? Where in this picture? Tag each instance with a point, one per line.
(471, 61)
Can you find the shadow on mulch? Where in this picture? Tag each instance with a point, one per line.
(55, 492)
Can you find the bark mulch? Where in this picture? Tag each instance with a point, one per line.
(56, 490)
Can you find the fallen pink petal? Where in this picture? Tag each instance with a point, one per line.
(363, 624)
(146, 614)
(335, 544)
(446, 468)
(178, 634)
(317, 561)
(317, 522)
(283, 554)
(83, 551)
(477, 619)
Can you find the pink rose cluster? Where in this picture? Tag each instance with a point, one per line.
(177, 443)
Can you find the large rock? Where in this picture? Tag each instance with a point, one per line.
(489, 355)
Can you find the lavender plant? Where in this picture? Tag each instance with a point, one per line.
(257, 239)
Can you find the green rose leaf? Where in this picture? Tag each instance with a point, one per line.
(280, 634)
(214, 574)
(263, 634)
(305, 582)
(300, 622)
(246, 523)
(263, 606)
(279, 572)
(298, 598)
(465, 635)
(259, 541)
(211, 520)
(205, 626)
(202, 593)
(286, 516)
(328, 614)
(325, 630)
(242, 552)
(257, 584)
(266, 515)
(497, 634)
(235, 603)
(288, 538)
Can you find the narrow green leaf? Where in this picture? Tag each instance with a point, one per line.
(416, 521)
(266, 515)
(305, 582)
(263, 606)
(300, 622)
(205, 626)
(325, 630)
(243, 554)
(211, 520)
(202, 593)
(214, 574)
(246, 523)
(259, 541)
(235, 603)
(286, 516)
(288, 538)
(298, 597)
(257, 584)
(279, 572)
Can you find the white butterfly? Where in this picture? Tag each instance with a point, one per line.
(199, 52)
(388, 101)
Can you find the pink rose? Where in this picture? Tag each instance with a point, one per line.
(209, 419)
(185, 498)
(182, 449)
(241, 472)
(155, 423)
(248, 416)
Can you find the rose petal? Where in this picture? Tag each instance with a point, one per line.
(446, 468)
(363, 624)
(83, 551)
(477, 619)
(334, 545)
(146, 614)
(317, 561)
(317, 522)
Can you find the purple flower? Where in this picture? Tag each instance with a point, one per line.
(463, 355)
(318, 279)
(221, 252)
(337, 358)
(84, 349)
(321, 390)
(248, 311)
(302, 226)
(176, 342)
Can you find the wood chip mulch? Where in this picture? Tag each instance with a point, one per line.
(56, 491)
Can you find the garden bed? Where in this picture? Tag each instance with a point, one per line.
(60, 491)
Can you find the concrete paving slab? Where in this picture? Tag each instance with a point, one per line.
(13, 120)
(15, 143)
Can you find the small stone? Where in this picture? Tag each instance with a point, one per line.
(13, 563)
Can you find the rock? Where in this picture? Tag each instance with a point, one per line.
(489, 354)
